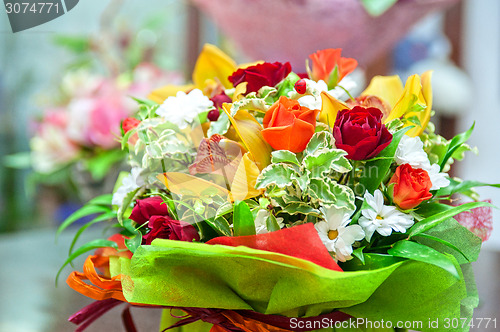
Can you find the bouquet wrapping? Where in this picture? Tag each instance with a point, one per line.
(264, 200)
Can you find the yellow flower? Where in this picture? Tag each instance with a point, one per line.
(402, 100)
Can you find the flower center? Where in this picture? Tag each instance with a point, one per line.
(332, 234)
(379, 218)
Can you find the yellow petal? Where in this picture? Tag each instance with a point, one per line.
(243, 185)
(329, 108)
(213, 64)
(239, 91)
(425, 98)
(408, 98)
(159, 95)
(249, 131)
(186, 184)
(387, 88)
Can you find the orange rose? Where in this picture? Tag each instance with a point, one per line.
(411, 186)
(289, 126)
(324, 63)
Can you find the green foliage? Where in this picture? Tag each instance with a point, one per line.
(92, 245)
(425, 254)
(435, 219)
(454, 144)
(243, 221)
(381, 163)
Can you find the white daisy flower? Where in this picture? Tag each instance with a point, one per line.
(411, 151)
(382, 218)
(336, 233)
(182, 109)
(260, 222)
(129, 183)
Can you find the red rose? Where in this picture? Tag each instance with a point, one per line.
(361, 133)
(164, 227)
(145, 208)
(264, 74)
(289, 126)
(411, 186)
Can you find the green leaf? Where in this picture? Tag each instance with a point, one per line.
(277, 174)
(320, 140)
(380, 167)
(134, 242)
(80, 213)
(455, 143)
(21, 160)
(146, 102)
(220, 225)
(435, 219)
(221, 126)
(287, 85)
(284, 156)
(101, 200)
(325, 160)
(302, 208)
(334, 77)
(271, 223)
(327, 191)
(125, 205)
(377, 7)
(371, 261)
(76, 44)
(462, 186)
(359, 254)
(102, 217)
(243, 222)
(422, 253)
(92, 245)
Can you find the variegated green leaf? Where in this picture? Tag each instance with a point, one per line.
(320, 140)
(284, 156)
(277, 174)
(324, 160)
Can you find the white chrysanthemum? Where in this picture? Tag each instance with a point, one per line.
(382, 218)
(182, 109)
(336, 233)
(129, 183)
(411, 151)
(260, 222)
(313, 101)
(438, 179)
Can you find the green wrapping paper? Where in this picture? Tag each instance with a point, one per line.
(184, 274)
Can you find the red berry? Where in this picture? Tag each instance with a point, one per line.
(129, 123)
(300, 86)
(213, 115)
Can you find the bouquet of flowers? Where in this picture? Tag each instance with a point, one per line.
(266, 200)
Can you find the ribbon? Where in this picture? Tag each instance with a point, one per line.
(101, 288)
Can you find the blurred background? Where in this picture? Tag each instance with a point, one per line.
(132, 47)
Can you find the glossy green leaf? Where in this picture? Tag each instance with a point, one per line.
(100, 218)
(80, 213)
(374, 172)
(220, 225)
(462, 186)
(435, 219)
(271, 223)
(455, 143)
(92, 245)
(243, 222)
(419, 252)
(101, 200)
